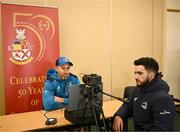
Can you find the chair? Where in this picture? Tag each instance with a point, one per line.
(128, 91)
(177, 115)
(177, 104)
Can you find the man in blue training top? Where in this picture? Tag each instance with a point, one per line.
(55, 93)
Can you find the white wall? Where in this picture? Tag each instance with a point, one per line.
(172, 47)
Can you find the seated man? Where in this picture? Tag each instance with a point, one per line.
(55, 93)
(150, 105)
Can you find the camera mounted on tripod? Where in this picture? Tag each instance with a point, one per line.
(87, 100)
(93, 81)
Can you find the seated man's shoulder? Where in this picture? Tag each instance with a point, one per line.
(49, 78)
(73, 75)
(161, 96)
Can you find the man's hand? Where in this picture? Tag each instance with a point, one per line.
(117, 124)
(58, 99)
(61, 100)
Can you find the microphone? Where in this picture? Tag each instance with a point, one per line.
(118, 98)
(50, 121)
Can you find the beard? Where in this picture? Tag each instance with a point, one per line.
(64, 76)
(144, 83)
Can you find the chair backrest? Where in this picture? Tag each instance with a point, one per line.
(177, 104)
(128, 91)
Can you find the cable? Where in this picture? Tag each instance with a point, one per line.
(45, 114)
(118, 98)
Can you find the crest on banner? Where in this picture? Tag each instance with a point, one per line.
(20, 49)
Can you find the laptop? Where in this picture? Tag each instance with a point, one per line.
(80, 105)
(74, 97)
(79, 97)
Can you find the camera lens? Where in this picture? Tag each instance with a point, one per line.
(85, 78)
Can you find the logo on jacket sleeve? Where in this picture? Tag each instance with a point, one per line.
(164, 112)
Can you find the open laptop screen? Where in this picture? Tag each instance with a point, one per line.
(82, 99)
(79, 96)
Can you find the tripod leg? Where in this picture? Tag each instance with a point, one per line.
(103, 118)
(95, 117)
(84, 110)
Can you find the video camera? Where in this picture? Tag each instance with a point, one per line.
(92, 83)
(92, 79)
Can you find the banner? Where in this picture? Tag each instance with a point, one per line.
(30, 47)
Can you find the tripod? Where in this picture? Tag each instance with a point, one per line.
(93, 102)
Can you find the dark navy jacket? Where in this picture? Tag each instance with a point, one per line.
(152, 107)
(55, 86)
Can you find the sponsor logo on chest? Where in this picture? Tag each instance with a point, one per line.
(144, 105)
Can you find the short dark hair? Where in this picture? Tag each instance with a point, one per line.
(148, 63)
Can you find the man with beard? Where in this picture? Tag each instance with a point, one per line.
(150, 104)
(55, 93)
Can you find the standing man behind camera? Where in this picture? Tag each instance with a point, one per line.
(55, 93)
(150, 105)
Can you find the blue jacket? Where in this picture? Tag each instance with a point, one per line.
(55, 86)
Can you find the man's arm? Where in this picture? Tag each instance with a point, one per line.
(49, 102)
(163, 114)
(123, 112)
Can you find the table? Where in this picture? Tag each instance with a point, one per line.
(35, 120)
(177, 103)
